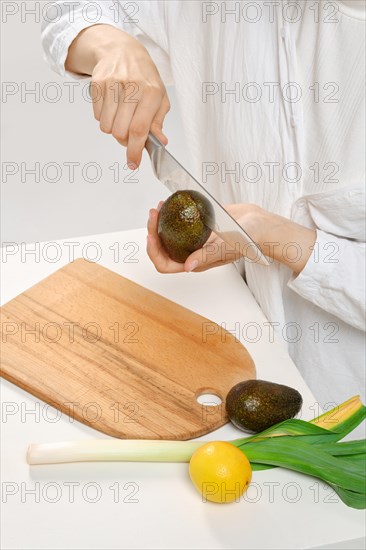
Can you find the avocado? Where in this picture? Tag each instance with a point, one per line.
(255, 405)
(183, 223)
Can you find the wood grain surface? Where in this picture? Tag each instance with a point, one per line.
(118, 357)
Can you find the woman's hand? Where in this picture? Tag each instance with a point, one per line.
(210, 255)
(129, 97)
(279, 239)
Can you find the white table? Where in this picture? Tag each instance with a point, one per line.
(145, 505)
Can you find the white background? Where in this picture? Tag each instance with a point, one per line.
(36, 129)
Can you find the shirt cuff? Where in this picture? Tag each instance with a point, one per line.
(314, 281)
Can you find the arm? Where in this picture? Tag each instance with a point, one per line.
(129, 97)
(274, 234)
(327, 270)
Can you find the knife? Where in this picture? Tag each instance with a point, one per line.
(176, 178)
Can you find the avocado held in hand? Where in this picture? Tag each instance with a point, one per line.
(255, 405)
(183, 224)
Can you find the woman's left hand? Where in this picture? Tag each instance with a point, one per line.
(279, 239)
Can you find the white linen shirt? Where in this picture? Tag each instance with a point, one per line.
(272, 100)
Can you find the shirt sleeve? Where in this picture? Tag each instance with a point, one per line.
(144, 23)
(334, 278)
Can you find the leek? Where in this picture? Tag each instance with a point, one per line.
(310, 448)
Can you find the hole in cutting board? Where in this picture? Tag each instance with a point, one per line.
(209, 399)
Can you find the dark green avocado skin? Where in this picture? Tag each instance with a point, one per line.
(183, 223)
(255, 405)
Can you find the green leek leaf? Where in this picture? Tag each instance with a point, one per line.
(350, 498)
(306, 459)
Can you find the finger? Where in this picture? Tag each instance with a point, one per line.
(152, 222)
(156, 251)
(122, 121)
(96, 92)
(111, 95)
(212, 254)
(159, 205)
(140, 127)
(158, 120)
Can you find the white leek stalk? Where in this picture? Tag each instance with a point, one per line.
(93, 450)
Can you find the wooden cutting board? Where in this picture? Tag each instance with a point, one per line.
(118, 357)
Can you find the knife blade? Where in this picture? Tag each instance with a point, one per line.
(176, 178)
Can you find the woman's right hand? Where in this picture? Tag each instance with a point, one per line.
(129, 97)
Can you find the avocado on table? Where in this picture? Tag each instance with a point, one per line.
(255, 405)
(183, 223)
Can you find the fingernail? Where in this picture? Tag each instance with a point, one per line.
(193, 266)
(131, 165)
(150, 215)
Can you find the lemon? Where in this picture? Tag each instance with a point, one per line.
(220, 472)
